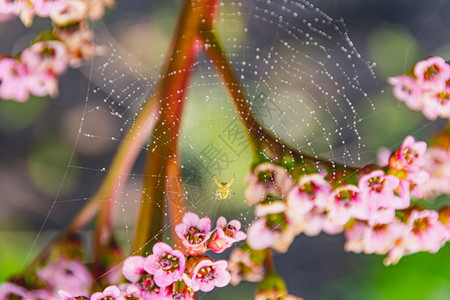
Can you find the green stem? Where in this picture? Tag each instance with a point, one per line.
(162, 163)
(268, 261)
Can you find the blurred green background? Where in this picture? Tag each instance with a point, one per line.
(50, 164)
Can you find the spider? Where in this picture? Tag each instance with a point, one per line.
(224, 191)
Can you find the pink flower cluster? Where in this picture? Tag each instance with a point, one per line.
(428, 90)
(70, 275)
(165, 274)
(367, 206)
(36, 69)
(169, 274)
(61, 12)
(437, 164)
(36, 72)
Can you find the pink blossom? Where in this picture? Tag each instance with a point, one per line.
(396, 253)
(10, 7)
(43, 8)
(437, 104)
(267, 179)
(312, 190)
(180, 290)
(65, 296)
(78, 41)
(147, 287)
(46, 56)
(133, 268)
(68, 275)
(165, 264)
(354, 237)
(14, 80)
(194, 232)
(380, 239)
(383, 155)
(208, 274)
(415, 181)
(260, 236)
(73, 11)
(242, 267)
(316, 222)
(406, 89)
(226, 234)
(437, 165)
(271, 231)
(11, 291)
(378, 190)
(346, 203)
(42, 84)
(26, 13)
(111, 292)
(432, 73)
(381, 215)
(409, 155)
(426, 232)
(270, 206)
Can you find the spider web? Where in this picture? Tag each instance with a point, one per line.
(304, 77)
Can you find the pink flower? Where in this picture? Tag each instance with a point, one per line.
(133, 268)
(147, 287)
(73, 11)
(432, 73)
(378, 190)
(12, 291)
(396, 253)
(437, 165)
(354, 237)
(346, 203)
(414, 182)
(68, 275)
(46, 56)
(42, 84)
(380, 239)
(165, 264)
(273, 230)
(267, 179)
(111, 292)
(180, 289)
(14, 80)
(406, 89)
(312, 190)
(260, 236)
(426, 232)
(241, 266)
(10, 7)
(318, 221)
(409, 155)
(270, 206)
(383, 155)
(65, 296)
(194, 232)
(43, 8)
(437, 103)
(208, 274)
(226, 234)
(78, 41)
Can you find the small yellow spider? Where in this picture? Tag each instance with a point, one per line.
(224, 191)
